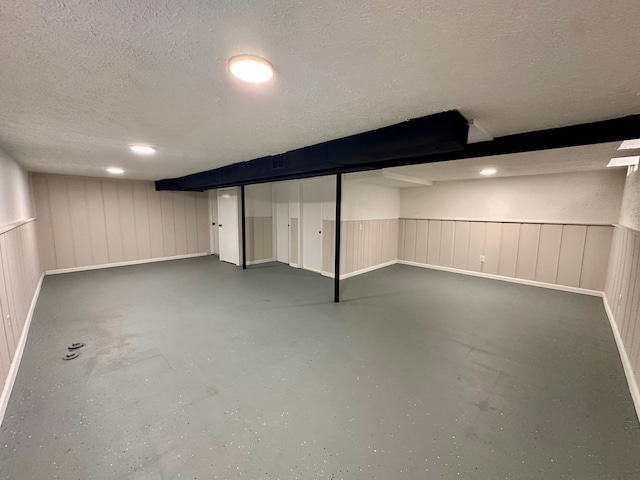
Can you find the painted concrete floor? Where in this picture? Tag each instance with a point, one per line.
(197, 370)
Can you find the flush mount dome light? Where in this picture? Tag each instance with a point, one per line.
(250, 68)
(142, 149)
(488, 171)
(115, 170)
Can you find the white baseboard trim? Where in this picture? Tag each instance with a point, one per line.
(360, 272)
(533, 283)
(17, 358)
(626, 363)
(123, 264)
(258, 262)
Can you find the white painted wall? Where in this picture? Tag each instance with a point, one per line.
(15, 199)
(582, 197)
(258, 200)
(329, 197)
(281, 234)
(369, 202)
(294, 199)
(630, 211)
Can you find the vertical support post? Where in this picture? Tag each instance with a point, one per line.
(244, 229)
(336, 267)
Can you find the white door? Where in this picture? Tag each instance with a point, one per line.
(213, 213)
(311, 206)
(228, 243)
(281, 192)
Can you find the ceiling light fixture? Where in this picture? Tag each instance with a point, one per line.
(488, 171)
(250, 68)
(630, 144)
(115, 170)
(624, 161)
(142, 149)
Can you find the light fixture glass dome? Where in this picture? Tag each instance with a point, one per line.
(143, 149)
(250, 68)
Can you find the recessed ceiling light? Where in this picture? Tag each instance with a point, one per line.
(115, 170)
(488, 171)
(630, 144)
(624, 161)
(250, 68)
(143, 149)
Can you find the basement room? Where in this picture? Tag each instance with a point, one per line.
(302, 240)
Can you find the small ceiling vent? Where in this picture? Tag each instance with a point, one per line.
(277, 163)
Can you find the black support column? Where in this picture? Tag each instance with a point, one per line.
(336, 267)
(244, 230)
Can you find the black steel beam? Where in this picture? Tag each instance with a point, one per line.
(440, 133)
(244, 229)
(605, 131)
(336, 265)
(315, 160)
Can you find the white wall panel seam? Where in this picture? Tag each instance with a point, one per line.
(584, 245)
(146, 197)
(555, 280)
(73, 243)
(48, 206)
(88, 221)
(104, 216)
(8, 288)
(628, 291)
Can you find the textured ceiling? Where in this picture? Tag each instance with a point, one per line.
(561, 160)
(82, 79)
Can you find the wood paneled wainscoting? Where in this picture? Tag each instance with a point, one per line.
(20, 280)
(364, 245)
(622, 302)
(259, 239)
(90, 222)
(566, 255)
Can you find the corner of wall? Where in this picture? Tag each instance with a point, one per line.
(622, 295)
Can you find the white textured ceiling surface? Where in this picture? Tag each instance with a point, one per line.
(560, 160)
(82, 79)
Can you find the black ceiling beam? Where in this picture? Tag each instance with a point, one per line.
(384, 152)
(605, 131)
(440, 133)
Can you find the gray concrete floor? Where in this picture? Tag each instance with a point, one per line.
(197, 370)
